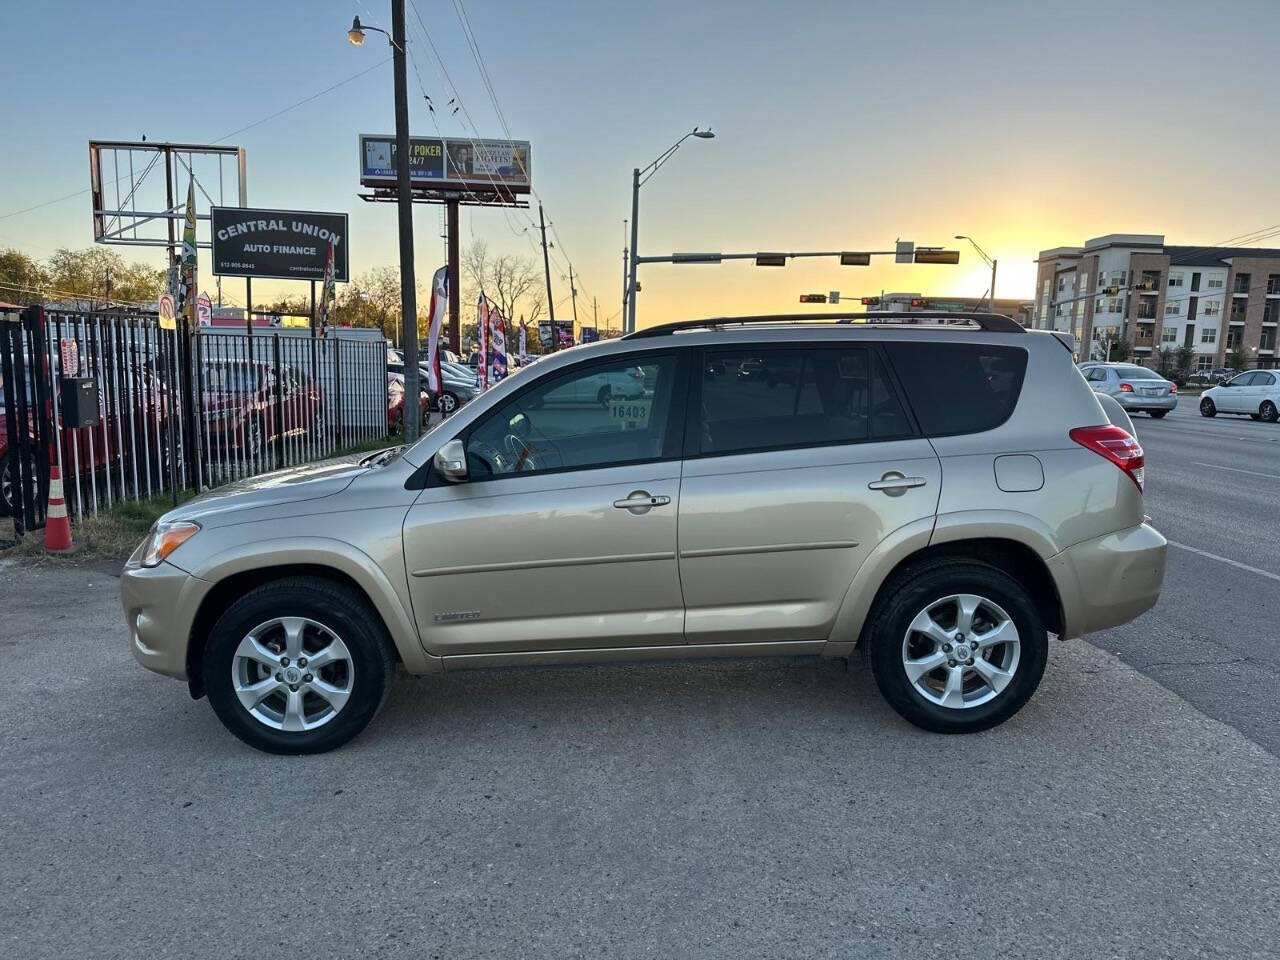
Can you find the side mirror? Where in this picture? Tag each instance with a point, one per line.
(450, 462)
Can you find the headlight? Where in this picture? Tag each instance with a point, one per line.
(165, 538)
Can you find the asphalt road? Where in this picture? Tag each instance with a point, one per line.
(718, 809)
(1213, 488)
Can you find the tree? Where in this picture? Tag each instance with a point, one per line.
(1237, 360)
(1165, 362)
(21, 278)
(514, 283)
(1184, 360)
(97, 276)
(372, 300)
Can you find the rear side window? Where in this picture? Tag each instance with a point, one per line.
(769, 399)
(959, 387)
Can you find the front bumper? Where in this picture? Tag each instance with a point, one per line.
(159, 606)
(1136, 401)
(1109, 580)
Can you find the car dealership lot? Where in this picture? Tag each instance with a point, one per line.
(738, 808)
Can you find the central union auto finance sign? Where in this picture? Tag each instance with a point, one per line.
(279, 244)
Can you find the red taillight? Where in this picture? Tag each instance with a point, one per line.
(1116, 445)
(1173, 388)
(1126, 388)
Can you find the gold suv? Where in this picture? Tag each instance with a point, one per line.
(941, 495)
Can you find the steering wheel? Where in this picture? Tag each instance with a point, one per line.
(520, 452)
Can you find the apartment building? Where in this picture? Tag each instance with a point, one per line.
(1214, 300)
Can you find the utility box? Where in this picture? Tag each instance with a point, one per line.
(78, 402)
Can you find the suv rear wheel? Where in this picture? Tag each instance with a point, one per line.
(957, 646)
(297, 666)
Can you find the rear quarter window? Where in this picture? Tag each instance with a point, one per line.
(957, 388)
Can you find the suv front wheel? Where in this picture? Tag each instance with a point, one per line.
(957, 646)
(298, 666)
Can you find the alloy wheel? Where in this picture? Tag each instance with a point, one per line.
(961, 651)
(292, 674)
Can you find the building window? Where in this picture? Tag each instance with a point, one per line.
(1214, 283)
(1233, 338)
(1271, 312)
(1169, 335)
(1173, 308)
(1212, 308)
(1204, 363)
(1267, 341)
(1241, 284)
(1175, 279)
(1147, 310)
(1237, 311)
(1209, 335)
(1273, 284)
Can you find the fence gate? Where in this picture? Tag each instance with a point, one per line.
(25, 419)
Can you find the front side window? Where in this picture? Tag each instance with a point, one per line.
(772, 398)
(602, 415)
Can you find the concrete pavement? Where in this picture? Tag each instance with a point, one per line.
(718, 809)
(1213, 488)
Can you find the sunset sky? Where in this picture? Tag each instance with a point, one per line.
(838, 125)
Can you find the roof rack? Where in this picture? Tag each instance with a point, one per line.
(989, 322)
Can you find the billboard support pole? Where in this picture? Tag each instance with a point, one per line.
(546, 266)
(248, 305)
(455, 291)
(404, 198)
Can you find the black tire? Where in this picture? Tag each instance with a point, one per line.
(604, 395)
(1157, 414)
(338, 608)
(6, 486)
(1268, 412)
(915, 589)
(1207, 409)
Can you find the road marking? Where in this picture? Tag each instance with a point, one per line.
(1227, 560)
(1252, 473)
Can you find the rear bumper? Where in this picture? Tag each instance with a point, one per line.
(1139, 402)
(1109, 580)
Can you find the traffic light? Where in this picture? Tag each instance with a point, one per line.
(1145, 285)
(813, 298)
(871, 301)
(1110, 291)
(771, 259)
(855, 259)
(937, 256)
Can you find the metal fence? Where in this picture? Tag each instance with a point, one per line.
(178, 409)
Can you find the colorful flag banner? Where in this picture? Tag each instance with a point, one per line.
(435, 319)
(497, 344)
(328, 294)
(482, 334)
(524, 334)
(187, 264)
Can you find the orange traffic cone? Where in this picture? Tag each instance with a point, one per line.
(57, 528)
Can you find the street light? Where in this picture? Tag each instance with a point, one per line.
(636, 182)
(404, 204)
(991, 263)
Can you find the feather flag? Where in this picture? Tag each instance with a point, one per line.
(328, 293)
(497, 344)
(187, 264)
(435, 313)
(482, 328)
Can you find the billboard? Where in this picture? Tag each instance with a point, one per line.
(447, 162)
(279, 244)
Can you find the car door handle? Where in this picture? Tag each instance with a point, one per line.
(894, 484)
(640, 501)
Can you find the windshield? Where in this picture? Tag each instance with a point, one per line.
(1137, 373)
(230, 378)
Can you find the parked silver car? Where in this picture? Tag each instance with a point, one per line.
(1138, 389)
(941, 497)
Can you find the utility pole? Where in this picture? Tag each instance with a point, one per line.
(595, 316)
(455, 322)
(626, 264)
(573, 296)
(629, 320)
(404, 205)
(546, 266)
(993, 285)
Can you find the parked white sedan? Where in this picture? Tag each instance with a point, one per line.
(1254, 392)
